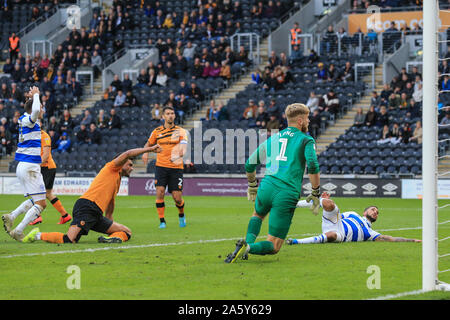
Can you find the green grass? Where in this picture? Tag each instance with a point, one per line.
(187, 263)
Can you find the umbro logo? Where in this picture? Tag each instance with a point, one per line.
(369, 187)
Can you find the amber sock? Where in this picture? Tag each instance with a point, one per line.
(180, 209)
(58, 206)
(52, 237)
(160, 206)
(122, 235)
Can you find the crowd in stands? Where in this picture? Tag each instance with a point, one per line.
(396, 110)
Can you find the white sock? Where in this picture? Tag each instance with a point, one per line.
(37, 236)
(31, 214)
(24, 207)
(317, 239)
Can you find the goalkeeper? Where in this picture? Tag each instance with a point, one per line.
(286, 154)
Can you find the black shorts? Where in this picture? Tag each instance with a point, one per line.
(88, 216)
(49, 177)
(170, 178)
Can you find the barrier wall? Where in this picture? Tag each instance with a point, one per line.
(208, 186)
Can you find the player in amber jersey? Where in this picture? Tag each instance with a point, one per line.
(99, 199)
(169, 164)
(48, 170)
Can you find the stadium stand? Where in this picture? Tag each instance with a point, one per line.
(196, 64)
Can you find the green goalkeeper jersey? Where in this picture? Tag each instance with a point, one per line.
(286, 155)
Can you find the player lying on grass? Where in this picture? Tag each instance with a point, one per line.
(98, 199)
(346, 227)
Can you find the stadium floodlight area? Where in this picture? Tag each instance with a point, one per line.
(430, 254)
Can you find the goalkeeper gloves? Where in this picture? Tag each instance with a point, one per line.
(252, 190)
(314, 196)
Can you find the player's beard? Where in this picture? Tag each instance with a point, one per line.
(304, 128)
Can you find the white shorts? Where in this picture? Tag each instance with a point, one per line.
(30, 178)
(331, 221)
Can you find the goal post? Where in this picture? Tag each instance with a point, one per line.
(429, 147)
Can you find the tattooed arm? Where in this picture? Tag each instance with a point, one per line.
(387, 238)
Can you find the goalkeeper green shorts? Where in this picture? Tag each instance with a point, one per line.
(280, 202)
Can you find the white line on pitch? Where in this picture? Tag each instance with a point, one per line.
(399, 295)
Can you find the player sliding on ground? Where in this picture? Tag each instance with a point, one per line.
(286, 153)
(98, 199)
(346, 227)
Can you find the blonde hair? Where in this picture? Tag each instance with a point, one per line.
(294, 110)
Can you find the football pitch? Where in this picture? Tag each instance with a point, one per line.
(188, 263)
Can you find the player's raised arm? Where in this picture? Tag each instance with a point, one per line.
(383, 237)
(36, 106)
(123, 158)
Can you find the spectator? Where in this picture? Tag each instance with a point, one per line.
(385, 136)
(382, 118)
(96, 63)
(295, 32)
(332, 73)
(261, 116)
(8, 67)
(321, 73)
(212, 113)
(87, 119)
(360, 118)
(116, 83)
(273, 123)
(406, 132)
(53, 124)
(14, 46)
(120, 99)
(313, 102)
(417, 134)
(188, 51)
(225, 71)
(315, 123)
(375, 99)
(102, 119)
(151, 78)
(396, 133)
(250, 111)
(215, 70)
(6, 141)
(331, 102)
(114, 121)
(156, 112)
(161, 78)
(81, 135)
(130, 100)
(348, 74)
(127, 84)
(64, 143)
(94, 136)
(196, 93)
(393, 101)
(371, 117)
(313, 57)
(66, 123)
